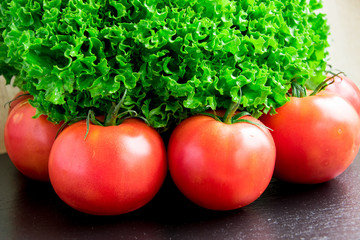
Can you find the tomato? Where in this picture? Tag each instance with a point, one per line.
(316, 137)
(114, 170)
(221, 166)
(19, 97)
(28, 141)
(347, 89)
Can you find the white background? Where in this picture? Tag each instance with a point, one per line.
(344, 20)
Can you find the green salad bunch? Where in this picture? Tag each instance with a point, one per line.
(174, 58)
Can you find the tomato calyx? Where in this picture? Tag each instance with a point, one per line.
(328, 81)
(18, 97)
(113, 118)
(298, 90)
(113, 115)
(231, 117)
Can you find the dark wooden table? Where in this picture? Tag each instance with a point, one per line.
(32, 210)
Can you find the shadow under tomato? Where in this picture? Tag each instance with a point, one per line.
(40, 213)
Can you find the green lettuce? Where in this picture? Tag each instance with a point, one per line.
(174, 58)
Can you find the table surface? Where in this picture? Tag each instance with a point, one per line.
(32, 210)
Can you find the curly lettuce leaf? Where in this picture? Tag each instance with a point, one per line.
(175, 58)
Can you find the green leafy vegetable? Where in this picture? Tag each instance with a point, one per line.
(175, 58)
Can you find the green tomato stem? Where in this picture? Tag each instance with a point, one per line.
(228, 117)
(113, 114)
(230, 112)
(328, 81)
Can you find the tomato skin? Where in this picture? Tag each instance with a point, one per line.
(115, 170)
(221, 166)
(28, 141)
(347, 89)
(316, 137)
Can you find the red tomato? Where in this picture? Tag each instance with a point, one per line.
(347, 89)
(19, 97)
(28, 141)
(221, 166)
(316, 137)
(114, 170)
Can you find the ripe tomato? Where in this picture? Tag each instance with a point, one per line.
(316, 137)
(221, 166)
(347, 89)
(28, 141)
(114, 170)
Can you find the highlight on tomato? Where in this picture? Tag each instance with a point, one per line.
(28, 140)
(317, 137)
(221, 163)
(108, 168)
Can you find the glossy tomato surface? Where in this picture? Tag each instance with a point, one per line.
(28, 141)
(114, 170)
(316, 137)
(221, 166)
(347, 89)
